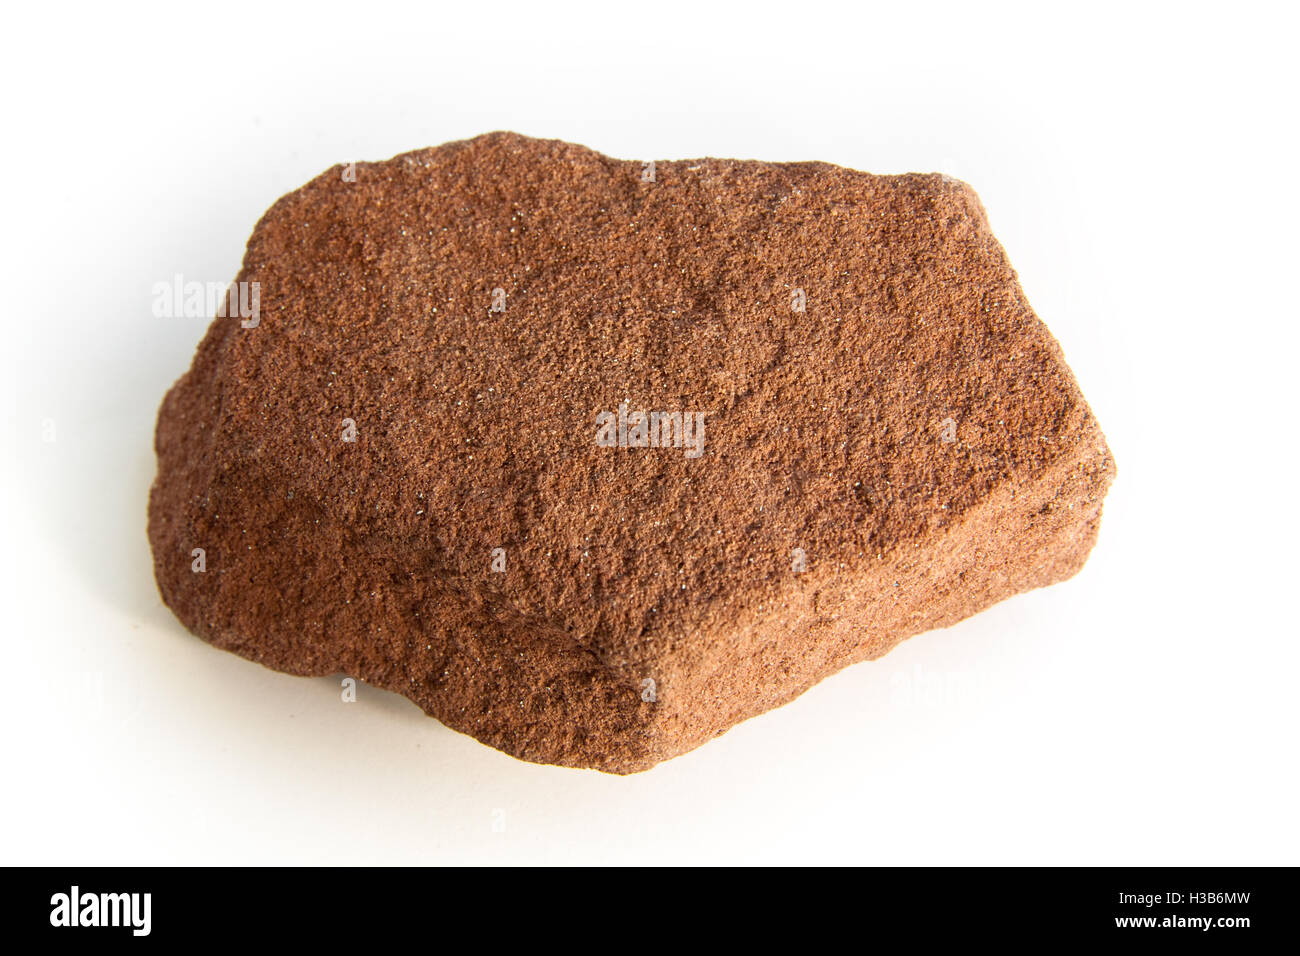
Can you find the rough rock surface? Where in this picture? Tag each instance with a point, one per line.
(907, 450)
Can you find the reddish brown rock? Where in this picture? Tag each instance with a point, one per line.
(907, 450)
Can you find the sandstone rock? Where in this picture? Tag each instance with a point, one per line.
(888, 440)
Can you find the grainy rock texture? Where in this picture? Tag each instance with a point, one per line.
(905, 451)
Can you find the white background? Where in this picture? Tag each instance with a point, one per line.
(1139, 165)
